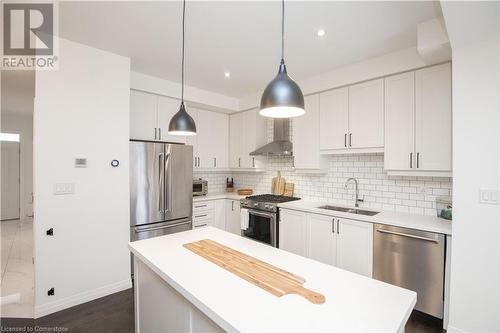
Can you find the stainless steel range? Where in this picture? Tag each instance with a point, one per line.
(263, 217)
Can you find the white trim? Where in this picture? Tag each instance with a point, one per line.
(452, 329)
(67, 302)
(352, 151)
(415, 173)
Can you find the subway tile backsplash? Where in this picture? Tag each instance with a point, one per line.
(415, 195)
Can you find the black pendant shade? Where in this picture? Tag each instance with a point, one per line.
(282, 97)
(182, 123)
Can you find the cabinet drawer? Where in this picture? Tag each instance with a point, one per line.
(203, 216)
(201, 224)
(202, 206)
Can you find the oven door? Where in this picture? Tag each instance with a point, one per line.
(261, 227)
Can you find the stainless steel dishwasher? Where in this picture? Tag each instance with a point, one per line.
(414, 260)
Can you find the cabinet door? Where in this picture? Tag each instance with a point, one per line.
(220, 214)
(293, 232)
(399, 122)
(205, 139)
(306, 136)
(142, 115)
(366, 114)
(334, 119)
(249, 138)
(233, 224)
(355, 246)
(167, 107)
(235, 139)
(321, 238)
(192, 140)
(220, 132)
(433, 118)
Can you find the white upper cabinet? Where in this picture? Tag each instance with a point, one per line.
(418, 122)
(321, 239)
(399, 121)
(334, 119)
(366, 115)
(247, 132)
(167, 107)
(352, 119)
(433, 118)
(143, 116)
(306, 137)
(293, 232)
(355, 246)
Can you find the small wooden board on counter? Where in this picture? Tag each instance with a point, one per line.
(268, 277)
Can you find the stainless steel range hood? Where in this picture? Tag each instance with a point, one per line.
(281, 144)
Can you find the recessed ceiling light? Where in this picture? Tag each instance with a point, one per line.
(320, 33)
(227, 75)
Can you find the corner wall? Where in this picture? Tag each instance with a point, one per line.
(81, 110)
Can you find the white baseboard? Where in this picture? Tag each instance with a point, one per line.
(67, 302)
(452, 329)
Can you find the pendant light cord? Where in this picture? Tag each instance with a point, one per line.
(182, 63)
(282, 30)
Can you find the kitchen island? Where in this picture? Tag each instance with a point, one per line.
(177, 290)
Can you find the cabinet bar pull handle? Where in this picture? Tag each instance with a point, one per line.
(232, 205)
(333, 226)
(350, 139)
(338, 226)
(159, 133)
(201, 215)
(253, 162)
(345, 140)
(200, 206)
(411, 160)
(215, 162)
(418, 160)
(156, 130)
(239, 162)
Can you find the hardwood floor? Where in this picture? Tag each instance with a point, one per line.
(115, 313)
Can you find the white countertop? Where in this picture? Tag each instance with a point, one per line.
(223, 195)
(412, 221)
(353, 302)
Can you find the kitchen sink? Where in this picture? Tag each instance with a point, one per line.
(349, 210)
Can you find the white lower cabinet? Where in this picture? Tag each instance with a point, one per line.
(233, 223)
(209, 213)
(345, 243)
(293, 231)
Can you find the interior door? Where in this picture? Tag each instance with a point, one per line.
(10, 180)
(178, 181)
(146, 182)
(399, 122)
(321, 239)
(334, 119)
(366, 114)
(433, 118)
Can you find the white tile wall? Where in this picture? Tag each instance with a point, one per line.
(415, 195)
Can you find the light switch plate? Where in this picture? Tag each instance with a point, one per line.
(64, 188)
(489, 196)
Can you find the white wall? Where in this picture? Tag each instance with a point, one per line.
(81, 110)
(474, 291)
(194, 96)
(23, 125)
(395, 62)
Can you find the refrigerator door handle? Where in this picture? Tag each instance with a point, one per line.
(161, 177)
(168, 184)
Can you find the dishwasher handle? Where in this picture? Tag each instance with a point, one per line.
(408, 235)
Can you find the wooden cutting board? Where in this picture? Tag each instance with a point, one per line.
(289, 189)
(268, 277)
(278, 185)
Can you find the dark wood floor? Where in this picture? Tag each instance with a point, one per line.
(115, 313)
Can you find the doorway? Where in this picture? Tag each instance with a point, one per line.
(10, 177)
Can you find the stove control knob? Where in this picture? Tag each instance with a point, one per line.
(255, 204)
(267, 207)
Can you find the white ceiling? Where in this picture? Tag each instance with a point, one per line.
(243, 37)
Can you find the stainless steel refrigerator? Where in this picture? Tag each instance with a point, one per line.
(161, 189)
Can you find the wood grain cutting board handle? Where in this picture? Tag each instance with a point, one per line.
(312, 296)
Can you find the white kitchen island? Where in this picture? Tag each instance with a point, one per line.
(178, 291)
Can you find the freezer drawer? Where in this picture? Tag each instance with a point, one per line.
(159, 229)
(413, 260)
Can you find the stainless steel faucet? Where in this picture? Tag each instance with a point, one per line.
(357, 200)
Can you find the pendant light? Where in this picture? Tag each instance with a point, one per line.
(282, 97)
(182, 123)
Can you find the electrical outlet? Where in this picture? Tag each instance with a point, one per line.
(489, 196)
(422, 190)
